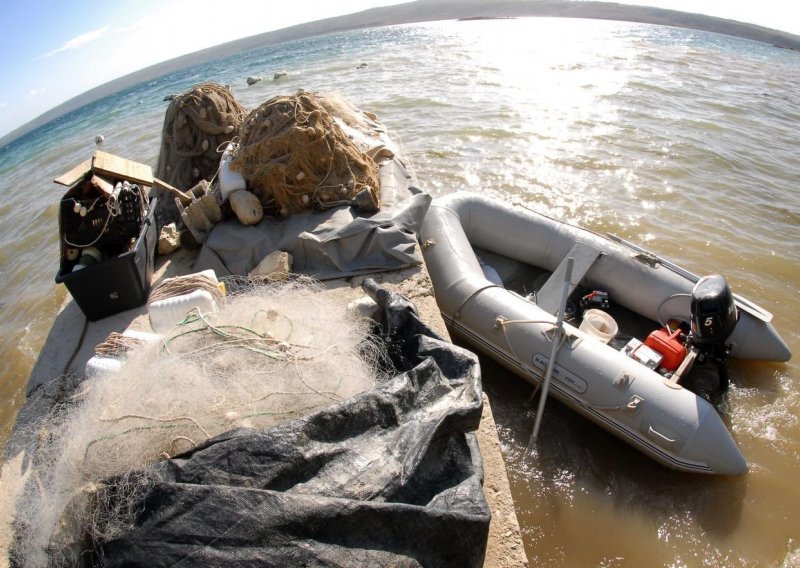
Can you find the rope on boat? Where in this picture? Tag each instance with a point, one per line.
(502, 323)
(457, 313)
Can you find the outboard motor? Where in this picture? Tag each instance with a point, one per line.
(714, 317)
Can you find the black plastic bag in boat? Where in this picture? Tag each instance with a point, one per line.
(390, 477)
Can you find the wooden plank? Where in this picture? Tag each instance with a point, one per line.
(109, 164)
(76, 174)
(685, 366)
(184, 197)
(102, 185)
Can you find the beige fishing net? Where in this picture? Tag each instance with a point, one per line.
(295, 157)
(196, 125)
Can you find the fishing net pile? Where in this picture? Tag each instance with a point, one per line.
(274, 352)
(196, 125)
(296, 156)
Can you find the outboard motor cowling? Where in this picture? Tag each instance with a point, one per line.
(713, 310)
(714, 318)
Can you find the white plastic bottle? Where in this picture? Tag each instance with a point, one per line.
(167, 313)
(229, 180)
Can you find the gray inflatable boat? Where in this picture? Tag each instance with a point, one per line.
(498, 273)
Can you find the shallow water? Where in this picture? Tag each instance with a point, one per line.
(682, 141)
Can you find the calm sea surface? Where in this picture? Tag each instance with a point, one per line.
(683, 141)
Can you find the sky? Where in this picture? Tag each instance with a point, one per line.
(54, 50)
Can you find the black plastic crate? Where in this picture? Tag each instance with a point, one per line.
(98, 224)
(118, 283)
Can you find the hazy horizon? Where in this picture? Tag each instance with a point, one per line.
(49, 73)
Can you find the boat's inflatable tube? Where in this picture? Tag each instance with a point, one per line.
(665, 421)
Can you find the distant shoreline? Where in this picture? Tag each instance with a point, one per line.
(417, 12)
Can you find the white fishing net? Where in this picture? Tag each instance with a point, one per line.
(272, 353)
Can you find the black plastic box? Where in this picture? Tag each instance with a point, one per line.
(118, 283)
(82, 230)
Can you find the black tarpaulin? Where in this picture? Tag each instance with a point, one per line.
(391, 477)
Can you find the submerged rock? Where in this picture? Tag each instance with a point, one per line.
(252, 80)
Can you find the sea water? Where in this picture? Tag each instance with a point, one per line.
(685, 142)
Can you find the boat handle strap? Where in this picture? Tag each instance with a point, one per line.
(457, 313)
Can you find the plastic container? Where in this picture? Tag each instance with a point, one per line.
(143, 336)
(118, 283)
(229, 180)
(106, 365)
(640, 352)
(167, 313)
(670, 347)
(208, 273)
(599, 324)
(99, 365)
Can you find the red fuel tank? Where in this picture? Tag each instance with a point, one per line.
(669, 345)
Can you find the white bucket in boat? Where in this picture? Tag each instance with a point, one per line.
(599, 324)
